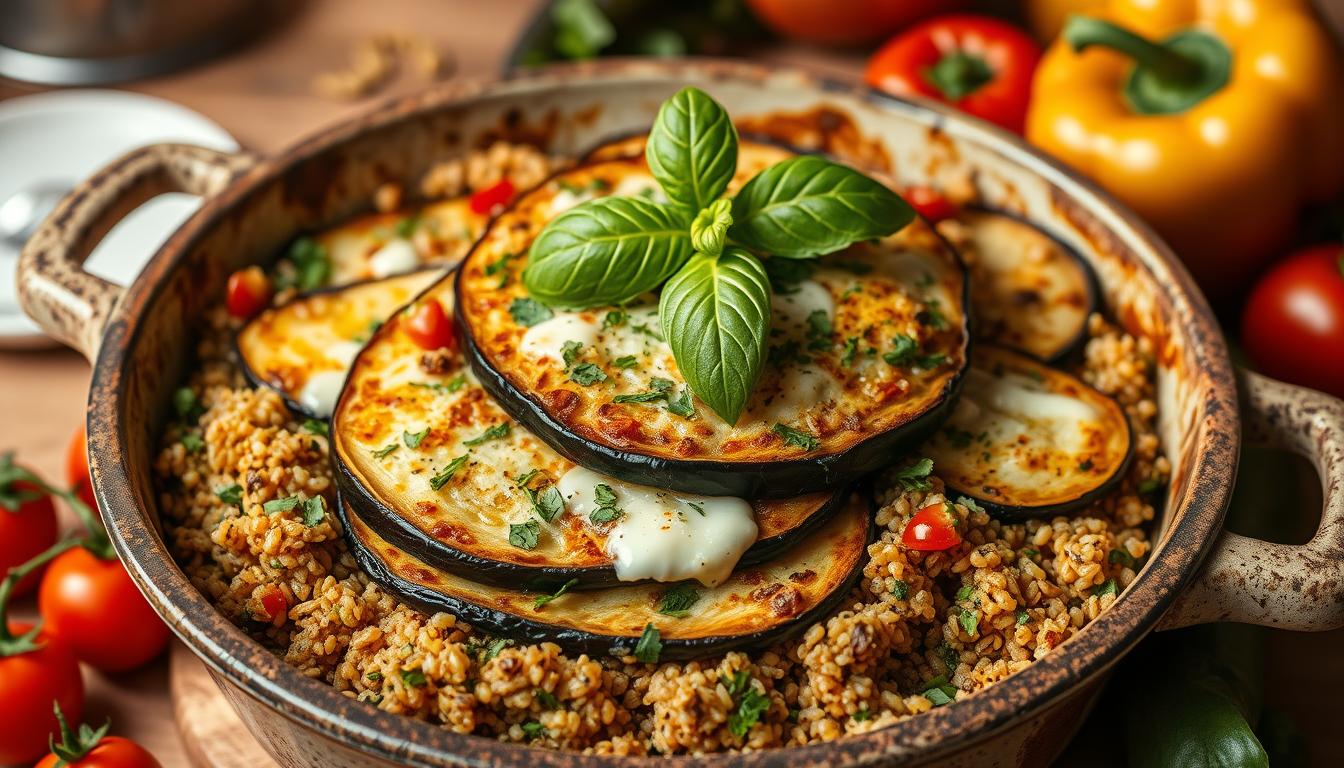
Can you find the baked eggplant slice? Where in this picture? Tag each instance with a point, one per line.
(1029, 291)
(1027, 440)
(758, 606)
(303, 348)
(866, 354)
(436, 467)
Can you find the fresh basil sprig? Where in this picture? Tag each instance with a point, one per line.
(715, 306)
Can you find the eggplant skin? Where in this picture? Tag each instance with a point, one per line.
(488, 616)
(956, 460)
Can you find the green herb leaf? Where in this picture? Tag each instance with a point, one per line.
(311, 265)
(185, 403)
(697, 507)
(315, 426)
(625, 362)
(314, 510)
(650, 645)
(716, 313)
(581, 32)
(900, 590)
(658, 389)
(528, 313)
(1022, 616)
(692, 148)
(750, 703)
(915, 476)
(545, 697)
(819, 330)
(413, 439)
(374, 676)
(1149, 486)
(280, 505)
(969, 620)
(544, 599)
(1120, 556)
(797, 437)
(905, 353)
(808, 206)
(614, 319)
(709, 229)
(192, 442)
(231, 494)
(492, 650)
(863, 715)
(682, 405)
(1109, 587)
(851, 349)
(547, 503)
(496, 432)
(678, 600)
(452, 385)
(606, 251)
(587, 374)
(969, 503)
(571, 351)
(533, 730)
(604, 515)
(525, 535)
(413, 678)
(385, 451)
(605, 498)
(444, 475)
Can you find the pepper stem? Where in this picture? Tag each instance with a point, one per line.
(959, 74)
(1170, 76)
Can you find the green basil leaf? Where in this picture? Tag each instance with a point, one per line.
(716, 315)
(808, 206)
(692, 148)
(709, 228)
(606, 251)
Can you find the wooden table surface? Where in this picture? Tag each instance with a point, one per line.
(261, 94)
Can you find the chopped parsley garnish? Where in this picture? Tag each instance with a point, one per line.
(192, 442)
(494, 433)
(571, 351)
(231, 494)
(407, 226)
(413, 678)
(444, 475)
(186, 404)
(527, 312)
(314, 510)
(650, 645)
(900, 590)
(311, 266)
(545, 698)
(682, 405)
(604, 515)
(614, 319)
(500, 267)
(969, 621)
(368, 331)
(544, 599)
(413, 439)
(851, 349)
(863, 715)
(1149, 487)
(525, 535)
(658, 389)
(678, 600)
(788, 352)
(905, 354)
(969, 503)
(965, 593)
(280, 505)
(375, 676)
(1031, 551)
(939, 692)
(646, 330)
(915, 477)
(749, 703)
(316, 427)
(385, 451)
(587, 374)
(697, 507)
(533, 730)
(819, 330)
(1022, 616)
(1122, 557)
(547, 501)
(1109, 587)
(628, 361)
(1085, 465)
(452, 385)
(948, 655)
(797, 437)
(932, 316)
(488, 652)
(605, 498)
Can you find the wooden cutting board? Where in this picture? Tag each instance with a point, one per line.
(213, 734)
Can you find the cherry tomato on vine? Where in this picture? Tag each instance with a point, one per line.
(77, 468)
(977, 64)
(485, 201)
(27, 522)
(1293, 325)
(247, 292)
(89, 748)
(94, 606)
(29, 682)
(933, 528)
(429, 327)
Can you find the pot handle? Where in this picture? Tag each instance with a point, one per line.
(70, 304)
(1278, 585)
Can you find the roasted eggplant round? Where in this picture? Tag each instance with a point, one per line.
(1027, 440)
(867, 348)
(303, 348)
(1029, 291)
(757, 606)
(432, 463)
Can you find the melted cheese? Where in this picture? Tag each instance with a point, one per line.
(395, 257)
(547, 338)
(320, 392)
(662, 535)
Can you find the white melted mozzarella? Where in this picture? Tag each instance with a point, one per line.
(568, 198)
(344, 352)
(792, 309)
(320, 392)
(547, 338)
(661, 535)
(1010, 405)
(396, 256)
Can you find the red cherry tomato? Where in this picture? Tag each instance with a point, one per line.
(485, 201)
(105, 752)
(933, 528)
(27, 525)
(429, 327)
(93, 606)
(979, 65)
(29, 683)
(843, 22)
(77, 468)
(930, 203)
(247, 292)
(1293, 326)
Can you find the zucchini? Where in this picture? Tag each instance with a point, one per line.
(302, 348)
(1029, 291)
(1027, 440)
(436, 467)
(757, 607)
(867, 349)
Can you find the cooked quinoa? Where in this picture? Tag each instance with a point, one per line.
(920, 629)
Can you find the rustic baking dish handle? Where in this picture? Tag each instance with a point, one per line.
(1277, 585)
(70, 304)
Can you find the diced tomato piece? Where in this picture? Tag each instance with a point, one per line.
(274, 603)
(429, 327)
(932, 529)
(930, 203)
(247, 293)
(485, 201)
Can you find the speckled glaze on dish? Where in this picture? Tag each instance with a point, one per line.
(141, 340)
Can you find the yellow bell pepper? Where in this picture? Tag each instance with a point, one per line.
(1215, 120)
(1046, 17)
